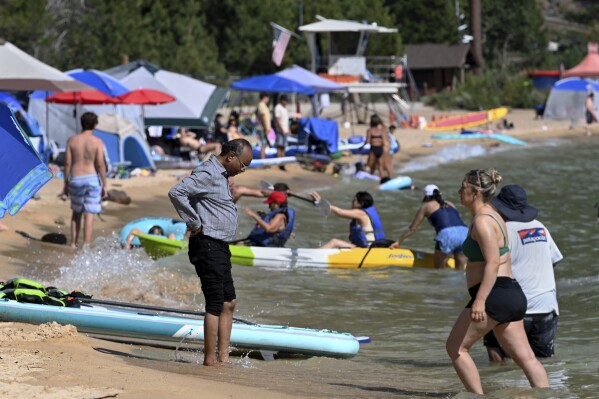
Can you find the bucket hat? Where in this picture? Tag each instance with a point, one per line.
(512, 203)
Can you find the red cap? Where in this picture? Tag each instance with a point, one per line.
(276, 196)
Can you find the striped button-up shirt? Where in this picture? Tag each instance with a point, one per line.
(204, 201)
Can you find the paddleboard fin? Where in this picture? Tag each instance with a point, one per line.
(268, 355)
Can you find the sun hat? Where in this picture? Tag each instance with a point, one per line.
(512, 203)
(276, 196)
(429, 190)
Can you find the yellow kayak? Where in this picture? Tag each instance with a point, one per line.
(348, 258)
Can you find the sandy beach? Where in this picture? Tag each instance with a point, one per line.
(56, 361)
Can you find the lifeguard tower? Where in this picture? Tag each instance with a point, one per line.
(343, 59)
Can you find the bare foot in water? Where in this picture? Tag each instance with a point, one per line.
(4, 227)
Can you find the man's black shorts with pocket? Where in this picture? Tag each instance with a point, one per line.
(212, 261)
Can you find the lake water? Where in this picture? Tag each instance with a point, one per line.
(408, 313)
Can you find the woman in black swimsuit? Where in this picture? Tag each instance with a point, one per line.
(498, 302)
(378, 139)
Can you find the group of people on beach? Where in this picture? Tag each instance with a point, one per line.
(509, 275)
(509, 254)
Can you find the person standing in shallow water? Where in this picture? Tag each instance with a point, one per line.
(445, 218)
(203, 200)
(534, 256)
(85, 178)
(497, 303)
(589, 108)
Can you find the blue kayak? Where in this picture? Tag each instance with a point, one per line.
(120, 322)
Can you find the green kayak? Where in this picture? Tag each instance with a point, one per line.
(160, 246)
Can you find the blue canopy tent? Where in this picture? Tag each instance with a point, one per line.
(275, 84)
(23, 171)
(272, 84)
(318, 83)
(567, 99)
(29, 124)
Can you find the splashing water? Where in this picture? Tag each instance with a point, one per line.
(106, 271)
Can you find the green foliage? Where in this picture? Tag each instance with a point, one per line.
(517, 28)
(26, 24)
(480, 92)
(234, 37)
(520, 93)
(490, 90)
(586, 12)
(444, 100)
(425, 21)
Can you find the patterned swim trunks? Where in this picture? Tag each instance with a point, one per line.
(85, 192)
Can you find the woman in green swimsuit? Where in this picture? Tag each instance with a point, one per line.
(498, 302)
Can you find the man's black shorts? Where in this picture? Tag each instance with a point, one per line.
(540, 331)
(212, 261)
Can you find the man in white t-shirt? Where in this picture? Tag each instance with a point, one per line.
(534, 254)
(281, 126)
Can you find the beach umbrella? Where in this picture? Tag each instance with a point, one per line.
(105, 87)
(143, 97)
(23, 171)
(85, 97)
(81, 97)
(20, 71)
(100, 81)
(272, 84)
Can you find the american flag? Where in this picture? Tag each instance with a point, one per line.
(279, 44)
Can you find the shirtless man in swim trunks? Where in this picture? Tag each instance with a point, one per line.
(85, 177)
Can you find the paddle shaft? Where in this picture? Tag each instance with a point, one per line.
(151, 307)
(364, 258)
(302, 198)
(238, 241)
(264, 185)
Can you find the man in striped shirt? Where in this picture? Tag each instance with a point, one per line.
(204, 201)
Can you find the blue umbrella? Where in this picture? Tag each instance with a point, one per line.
(576, 84)
(272, 84)
(100, 80)
(94, 78)
(23, 171)
(305, 77)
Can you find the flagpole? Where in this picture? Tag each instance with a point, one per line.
(279, 27)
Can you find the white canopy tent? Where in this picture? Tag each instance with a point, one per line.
(20, 71)
(197, 101)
